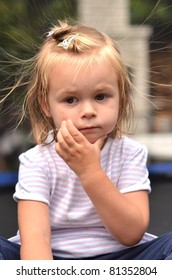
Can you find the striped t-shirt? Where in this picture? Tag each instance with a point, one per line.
(76, 229)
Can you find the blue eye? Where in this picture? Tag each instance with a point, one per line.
(71, 100)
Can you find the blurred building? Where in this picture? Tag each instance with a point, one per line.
(113, 18)
(153, 122)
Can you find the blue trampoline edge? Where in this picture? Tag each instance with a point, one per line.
(160, 168)
(8, 178)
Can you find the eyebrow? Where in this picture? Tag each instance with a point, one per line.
(66, 91)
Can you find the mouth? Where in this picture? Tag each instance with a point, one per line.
(88, 129)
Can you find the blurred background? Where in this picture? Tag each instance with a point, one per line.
(143, 31)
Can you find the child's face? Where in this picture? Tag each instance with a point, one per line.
(89, 97)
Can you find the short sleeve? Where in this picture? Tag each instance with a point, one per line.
(33, 182)
(134, 173)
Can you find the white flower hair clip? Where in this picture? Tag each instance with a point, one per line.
(50, 33)
(66, 42)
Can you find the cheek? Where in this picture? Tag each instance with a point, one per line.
(63, 116)
(111, 120)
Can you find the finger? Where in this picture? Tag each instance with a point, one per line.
(59, 136)
(76, 134)
(62, 145)
(67, 137)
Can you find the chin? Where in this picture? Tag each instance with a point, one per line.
(91, 139)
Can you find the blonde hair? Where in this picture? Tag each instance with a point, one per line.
(87, 45)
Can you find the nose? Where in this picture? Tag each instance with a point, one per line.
(88, 110)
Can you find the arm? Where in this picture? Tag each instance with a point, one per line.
(126, 216)
(34, 227)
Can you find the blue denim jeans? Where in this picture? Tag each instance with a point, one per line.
(9, 250)
(159, 248)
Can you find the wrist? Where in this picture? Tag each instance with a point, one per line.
(91, 176)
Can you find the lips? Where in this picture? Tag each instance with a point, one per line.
(88, 129)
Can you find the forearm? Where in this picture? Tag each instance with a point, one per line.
(119, 215)
(35, 231)
(35, 249)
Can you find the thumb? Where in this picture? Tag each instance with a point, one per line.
(100, 142)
